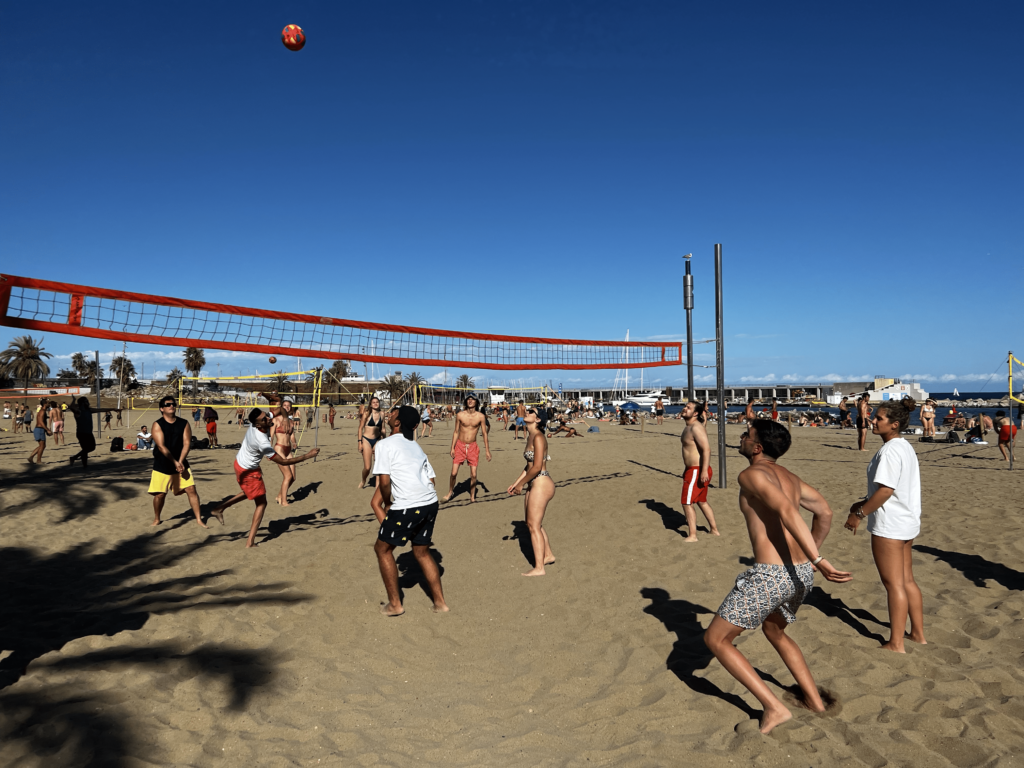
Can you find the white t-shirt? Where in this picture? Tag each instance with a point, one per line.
(147, 436)
(255, 446)
(895, 465)
(409, 469)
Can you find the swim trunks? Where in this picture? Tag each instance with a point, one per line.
(250, 481)
(161, 483)
(415, 523)
(693, 489)
(211, 428)
(57, 426)
(39, 433)
(861, 423)
(766, 589)
(520, 421)
(1006, 432)
(659, 411)
(466, 452)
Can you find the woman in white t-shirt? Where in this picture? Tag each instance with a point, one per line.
(893, 509)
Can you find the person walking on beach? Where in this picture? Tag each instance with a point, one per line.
(539, 490)
(468, 424)
(282, 435)
(409, 501)
(40, 432)
(369, 431)
(255, 446)
(775, 409)
(427, 424)
(697, 477)
(786, 554)
(863, 420)
(211, 427)
(520, 419)
(749, 414)
(844, 412)
(57, 423)
(893, 509)
(659, 411)
(1006, 430)
(171, 472)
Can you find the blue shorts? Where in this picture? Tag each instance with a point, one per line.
(520, 421)
(39, 433)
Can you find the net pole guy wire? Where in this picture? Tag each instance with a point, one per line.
(141, 318)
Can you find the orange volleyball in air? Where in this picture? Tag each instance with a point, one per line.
(293, 37)
(273, 360)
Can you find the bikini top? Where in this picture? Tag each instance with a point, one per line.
(528, 455)
(371, 423)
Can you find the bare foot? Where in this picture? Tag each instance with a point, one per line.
(285, 503)
(772, 718)
(442, 608)
(690, 540)
(714, 532)
(201, 524)
(472, 499)
(534, 572)
(250, 545)
(219, 514)
(389, 610)
(894, 648)
(917, 638)
(156, 522)
(549, 560)
(447, 498)
(360, 486)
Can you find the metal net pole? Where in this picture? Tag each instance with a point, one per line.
(720, 367)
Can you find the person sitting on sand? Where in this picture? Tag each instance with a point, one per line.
(255, 446)
(569, 431)
(786, 554)
(409, 500)
(144, 439)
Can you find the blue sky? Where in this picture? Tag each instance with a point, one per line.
(537, 168)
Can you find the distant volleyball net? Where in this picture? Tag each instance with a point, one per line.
(43, 305)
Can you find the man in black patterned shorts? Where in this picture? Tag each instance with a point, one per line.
(785, 555)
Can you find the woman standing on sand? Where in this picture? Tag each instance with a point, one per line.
(893, 509)
(370, 431)
(928, 417)
(539, 490)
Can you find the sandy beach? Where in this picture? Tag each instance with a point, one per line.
(127, 645)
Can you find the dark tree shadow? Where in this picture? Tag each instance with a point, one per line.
(309, 521)
(835, 608)
(976, 568)
(521, 534)
(689, 654)
(304, 492)
(50, 600)
(409, 573)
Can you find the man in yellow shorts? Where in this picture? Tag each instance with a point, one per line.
(173, 439)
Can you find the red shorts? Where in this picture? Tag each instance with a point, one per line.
(466, 452)
(211, 428)
(250, 481)
(1007, 432)
(693, 489)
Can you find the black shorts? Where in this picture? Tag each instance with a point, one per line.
(659, 412)
(861, 424)
(415, 525)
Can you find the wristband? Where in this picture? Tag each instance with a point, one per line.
(859, 514)
(818, 560)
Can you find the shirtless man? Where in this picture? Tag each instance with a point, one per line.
(697, 477)
(844, 412)
(331, 414)
(520, 420)
(785, 555)
(282, 437)
(659, 411)
(468, 424)
(1006, 430)
(748, 414)
(40, 432)
(863, 421)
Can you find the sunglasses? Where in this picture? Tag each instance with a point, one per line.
(167, 405)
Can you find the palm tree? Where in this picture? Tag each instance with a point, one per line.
(465, 382)
(80, 365)
(413, 380)
(67, 373)
(90, 371)
(194, 360)
(395, 386)
(121, 368)
(175, 375)
(281, 379)
(23, 359)
(337, 372)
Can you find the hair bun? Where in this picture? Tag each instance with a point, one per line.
(910, 403)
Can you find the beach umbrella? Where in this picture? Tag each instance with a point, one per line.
(630, 406)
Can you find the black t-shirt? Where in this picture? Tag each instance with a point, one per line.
(174, 441)
(83, 420)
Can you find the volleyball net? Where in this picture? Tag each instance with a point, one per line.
(43, 305)
(439, 395)
(250, 391)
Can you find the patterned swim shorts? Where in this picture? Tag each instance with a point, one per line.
(765, 589)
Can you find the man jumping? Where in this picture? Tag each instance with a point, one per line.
(468, 424)
(785, 554)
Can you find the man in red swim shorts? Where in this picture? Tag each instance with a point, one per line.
(468, 425)
(211, 426)
(1006, 429)
(255, 446)
(697, 478)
